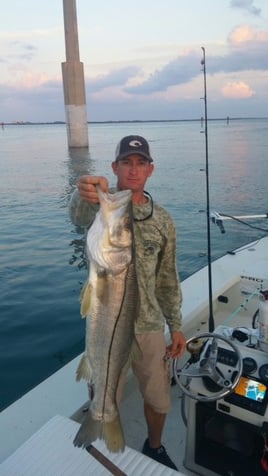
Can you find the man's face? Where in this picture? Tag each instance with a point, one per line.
(132, 172)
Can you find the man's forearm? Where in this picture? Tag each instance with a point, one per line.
(81, 212)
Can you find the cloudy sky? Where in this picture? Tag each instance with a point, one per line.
(142, 59)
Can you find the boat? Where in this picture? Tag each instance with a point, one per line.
(218, 425)
(219, 429)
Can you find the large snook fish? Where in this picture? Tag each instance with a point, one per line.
(109, 301)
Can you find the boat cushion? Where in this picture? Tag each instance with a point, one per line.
(50, 452)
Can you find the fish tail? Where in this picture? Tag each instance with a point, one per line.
(83, 370)
(88, 432)
(112, 434)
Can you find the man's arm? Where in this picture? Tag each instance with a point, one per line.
(168, 289)
(81, 213)
(84, 202)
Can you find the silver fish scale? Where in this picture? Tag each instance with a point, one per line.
(110, 340)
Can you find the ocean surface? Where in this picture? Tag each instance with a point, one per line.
(42, 265)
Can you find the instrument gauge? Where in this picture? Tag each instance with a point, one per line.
(250, 365)
(263, 373)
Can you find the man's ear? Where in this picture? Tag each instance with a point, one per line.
(115, 167)
(151, 169)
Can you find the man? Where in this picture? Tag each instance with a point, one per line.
(158, 281)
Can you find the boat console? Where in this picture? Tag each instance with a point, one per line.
(227, 436)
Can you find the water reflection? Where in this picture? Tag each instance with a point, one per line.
(78, 253)
(241, 146)
(79, 163)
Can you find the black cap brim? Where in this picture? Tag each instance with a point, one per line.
(127, 154)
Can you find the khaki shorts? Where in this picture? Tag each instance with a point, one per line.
(152, 371)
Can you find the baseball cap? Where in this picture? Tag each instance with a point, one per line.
(133, 145)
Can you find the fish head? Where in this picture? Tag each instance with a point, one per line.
(120, 229)
(110, 237)
(117, 215)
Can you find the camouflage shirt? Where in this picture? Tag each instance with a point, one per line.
(155, 254)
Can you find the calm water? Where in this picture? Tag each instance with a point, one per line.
(42, 266)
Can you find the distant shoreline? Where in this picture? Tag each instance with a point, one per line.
(137, 121)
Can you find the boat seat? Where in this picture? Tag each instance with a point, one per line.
(50, 452)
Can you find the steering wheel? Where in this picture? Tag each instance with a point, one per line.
(206, 368)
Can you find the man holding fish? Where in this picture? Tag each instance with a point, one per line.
(158, 298)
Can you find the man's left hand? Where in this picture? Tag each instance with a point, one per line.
(178, 345)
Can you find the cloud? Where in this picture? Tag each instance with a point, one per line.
(34, 81)
(247, 5)
(118, 77)
(144, 91)
(24, 78)
(43, 102)
(237, 90)
(17, 51)
(28, 47)
(178, 71)
(31, 34)
(247, 51)
(21, 51)
(237, 62)
(245, 36)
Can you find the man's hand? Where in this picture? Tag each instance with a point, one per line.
(87, 187)
(178, 345)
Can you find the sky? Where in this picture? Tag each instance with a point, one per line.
(142, 59)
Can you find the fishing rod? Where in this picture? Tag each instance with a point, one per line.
(217, 219)
(211, 323)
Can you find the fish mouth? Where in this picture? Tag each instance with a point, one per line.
(120, 198)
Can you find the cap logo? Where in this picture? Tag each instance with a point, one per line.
(135, 143)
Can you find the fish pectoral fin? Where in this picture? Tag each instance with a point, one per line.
(84, 370)
(112, 434)
(135, 352)
(85, 299)
(88, 432)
